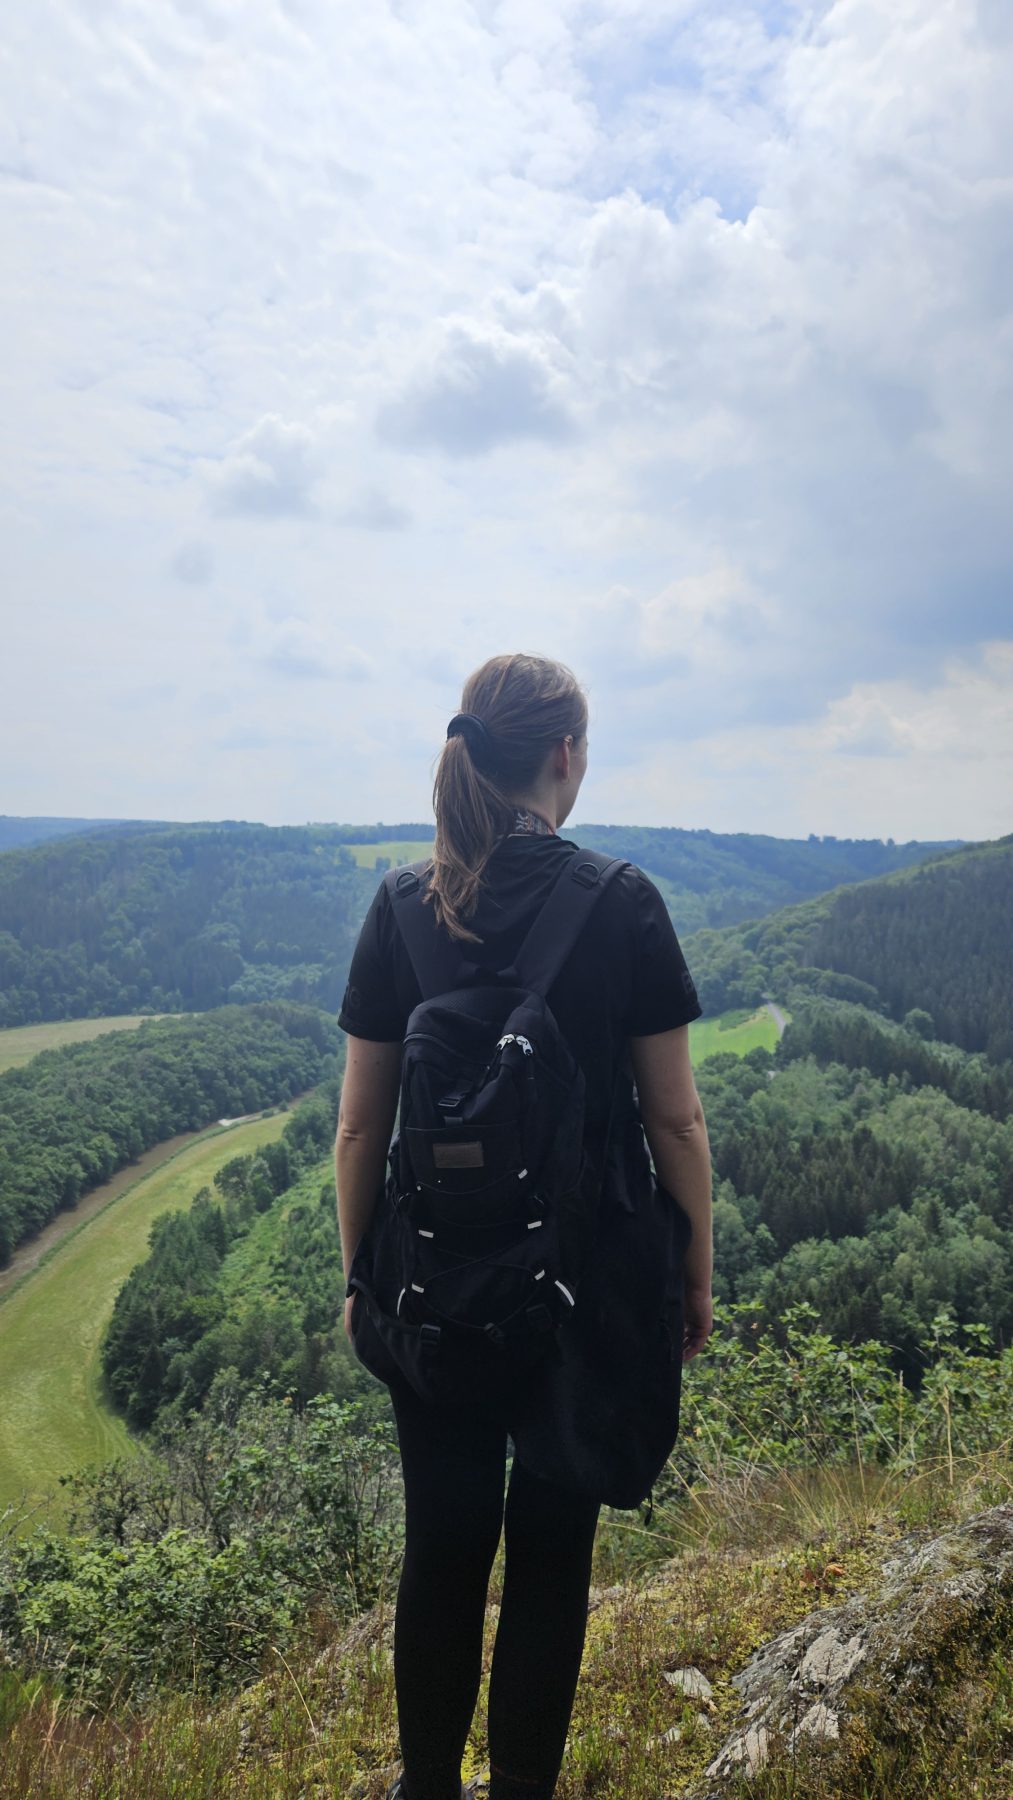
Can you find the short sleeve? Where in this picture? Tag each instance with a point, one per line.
(664, 995)
(371, 1007)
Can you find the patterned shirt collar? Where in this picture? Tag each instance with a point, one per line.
(525, 822)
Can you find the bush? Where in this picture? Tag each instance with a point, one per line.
(182, 1569)
(790, 1396)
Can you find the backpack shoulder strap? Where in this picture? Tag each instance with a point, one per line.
(562, 918)
(439, 963)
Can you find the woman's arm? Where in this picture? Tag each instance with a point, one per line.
(365, 1122)
(677, 1138)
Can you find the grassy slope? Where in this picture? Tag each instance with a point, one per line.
(19, 1043)
(53, 1419)
(715, 1037)
(245, 1274)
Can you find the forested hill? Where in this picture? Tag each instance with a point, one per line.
(180, 918)
(864, 1170)
(867, 1167)
(720, 878)
(934, 942)
(172, 917)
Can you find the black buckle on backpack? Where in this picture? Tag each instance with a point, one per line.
(430, 1335)
(406, 881)
(587, 873)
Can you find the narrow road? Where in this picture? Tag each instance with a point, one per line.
(777, 1015)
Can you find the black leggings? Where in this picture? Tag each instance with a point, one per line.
(454, 1464)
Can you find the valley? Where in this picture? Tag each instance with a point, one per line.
(54, 1419)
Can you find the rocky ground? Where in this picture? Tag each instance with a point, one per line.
(899, 1681)
(911, 1660)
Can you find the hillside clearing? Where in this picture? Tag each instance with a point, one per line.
(54, 1419)
(395, 850)
(735, 1031)
(19, 1043)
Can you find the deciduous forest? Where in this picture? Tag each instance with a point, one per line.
(178, 918)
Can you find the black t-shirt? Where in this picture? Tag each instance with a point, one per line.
(625, 977)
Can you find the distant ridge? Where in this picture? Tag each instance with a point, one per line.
(17, 833)
(707, 877)
(140, 916)
(720, 878)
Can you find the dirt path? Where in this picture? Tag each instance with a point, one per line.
(777, 1015)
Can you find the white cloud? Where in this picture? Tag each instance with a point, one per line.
(193, 562)
(267, 473)
(374, 510)
(297, 650)
(480, 391)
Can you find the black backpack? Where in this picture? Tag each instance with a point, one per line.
(471, 1266)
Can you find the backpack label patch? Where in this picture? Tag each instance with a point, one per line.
(459, 1156)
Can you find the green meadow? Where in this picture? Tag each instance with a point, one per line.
(737, 1031)
(395, 850)
(19, 1043)
(53, 1419)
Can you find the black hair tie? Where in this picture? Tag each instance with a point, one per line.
(476, 735)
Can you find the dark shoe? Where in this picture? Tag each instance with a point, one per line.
(397, 1792)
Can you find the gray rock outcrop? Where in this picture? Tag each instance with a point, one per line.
(889, 1662)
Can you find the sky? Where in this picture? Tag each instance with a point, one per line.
(345, 346)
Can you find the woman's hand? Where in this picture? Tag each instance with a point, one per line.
(349, 1303)
(698, 1320)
